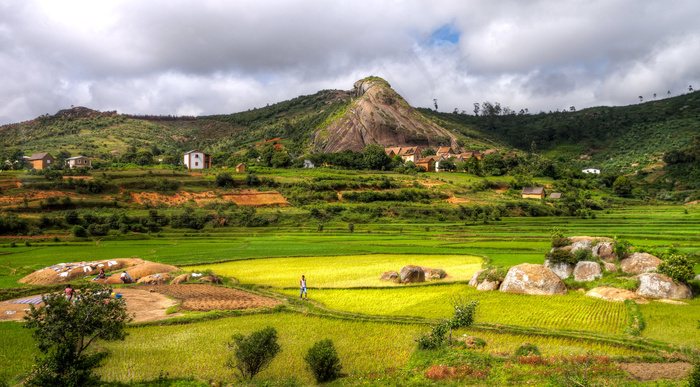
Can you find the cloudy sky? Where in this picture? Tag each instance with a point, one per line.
(217, 56)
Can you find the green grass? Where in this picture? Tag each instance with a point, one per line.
(676, 324)
(18, 349)
(568, 312)
(200, 349)
(340, 271)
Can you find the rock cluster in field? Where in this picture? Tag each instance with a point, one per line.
(639, 263)
(413, 274)
(614, 294)
(656, 285)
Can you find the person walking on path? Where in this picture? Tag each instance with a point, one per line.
(303, 293)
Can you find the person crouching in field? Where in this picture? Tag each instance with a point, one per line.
(302, 283)
(69, 292)
(126, 278)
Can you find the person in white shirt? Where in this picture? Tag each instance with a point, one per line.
(303, 293)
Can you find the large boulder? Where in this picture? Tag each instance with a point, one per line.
(639, 263)
(487, 285)
(586, 271)
(561, 269)
(611, 267)
(412, 274)
(475, 278)
(656, 285)
(527, 278)
(589, 239)
(392, 276)
(433, 273)
(605, 251)
(615, 294)
(585, 245)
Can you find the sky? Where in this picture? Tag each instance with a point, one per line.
(220, 56)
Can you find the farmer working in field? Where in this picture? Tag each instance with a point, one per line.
(302, 283)
(126, 278)
(69, 292)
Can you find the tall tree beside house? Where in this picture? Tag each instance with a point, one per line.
(375, 158)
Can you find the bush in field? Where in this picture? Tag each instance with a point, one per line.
(558, 256)
(252, 180)
(583, 255)
(694, 376)
(323, 361)
(677, 267)
(253, 353)
(464, 312)
(527, 349)
(436, 338)
(560, 242)
(79, 231)
(225, 180)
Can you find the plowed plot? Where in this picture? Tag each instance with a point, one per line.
(204, 298)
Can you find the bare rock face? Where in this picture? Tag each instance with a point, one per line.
(604, 250)
(615, 294)
(656, 285)
(532, 279)
(574, 239)
(611, 267)
(586, 245)
(561, 269)
(379, 115)
(180, 279)
(487, 285)
(392, 276)
(586, 271)
(639, 263)
(412, 274)
(475, 277)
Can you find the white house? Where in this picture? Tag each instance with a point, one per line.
(196, 159)
(78, 161)
(591, 170)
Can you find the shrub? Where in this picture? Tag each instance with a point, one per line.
(583, 255)
(694, 376)
(558, 256)
(621, 247)
(677, 267)
(79, 231)
(527, 349)
(323, 361)
(560, 242)
(225, 180)
(253, 353)
(464, 312)
(436, 338)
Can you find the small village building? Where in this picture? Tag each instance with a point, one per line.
(591, 170)
(428, 163)
(410, 154)
(392, 151)
(533, 193)
(444, 150)
(240, 167)
(196, 159)
(308, 164)
(41, 160)
(78, 162)
(555, 195)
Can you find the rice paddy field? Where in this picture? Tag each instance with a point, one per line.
(343, 271)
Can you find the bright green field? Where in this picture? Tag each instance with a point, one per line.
(677, 324)
(573, 311)
(339, 272)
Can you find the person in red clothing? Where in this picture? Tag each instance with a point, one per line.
(302, 283)
(69, 292)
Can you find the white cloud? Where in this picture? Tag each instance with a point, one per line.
(216, 56)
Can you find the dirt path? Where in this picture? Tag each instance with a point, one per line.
(645, 372)
(145, 306)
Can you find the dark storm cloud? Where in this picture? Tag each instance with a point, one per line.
(215, 56)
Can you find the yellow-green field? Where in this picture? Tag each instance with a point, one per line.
(573, 311)
(339, 271)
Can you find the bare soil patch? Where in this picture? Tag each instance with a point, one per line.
(144, 305)
(78, 177)
(654, 371)
(242, 198)
(203, 298)
(455, 199)
(32, 196)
